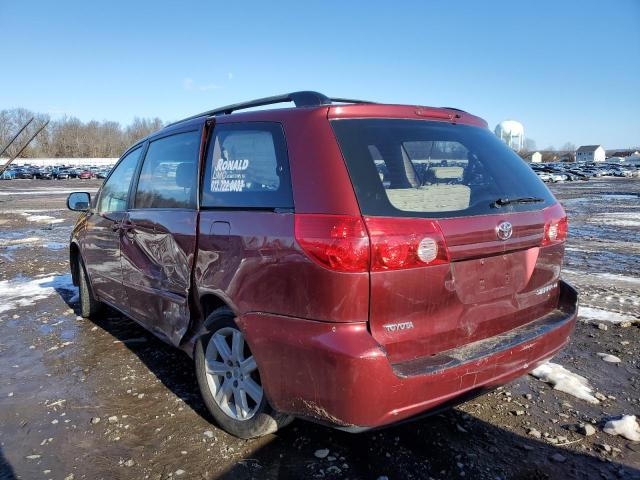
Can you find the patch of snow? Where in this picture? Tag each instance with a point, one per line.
(620, 219)
(609, 358)
(565, 381)
(18, 241)
(21, 292)
(626, 427)
(43, 219)
(598, 314)
(620, 196)
(33, 210)
(623, 223)
(604, 275)
(55, 245)
(575, 201)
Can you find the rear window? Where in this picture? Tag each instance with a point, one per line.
(434, 169)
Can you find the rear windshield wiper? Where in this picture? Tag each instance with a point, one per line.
(510, 201)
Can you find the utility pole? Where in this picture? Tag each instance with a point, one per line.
(15, 136)
(6, 165)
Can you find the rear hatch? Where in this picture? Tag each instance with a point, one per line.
(466, 242)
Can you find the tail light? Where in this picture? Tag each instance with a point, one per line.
(398, 243)
(336, 242)
(556, 225)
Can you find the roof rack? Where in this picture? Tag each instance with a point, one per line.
(300, 99)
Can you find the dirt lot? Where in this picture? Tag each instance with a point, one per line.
(104, 399)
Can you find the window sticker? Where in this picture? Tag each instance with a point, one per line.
(229, 175)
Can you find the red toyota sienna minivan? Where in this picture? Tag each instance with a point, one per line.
(348, 262)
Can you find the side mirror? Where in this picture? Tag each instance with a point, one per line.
(79, 201)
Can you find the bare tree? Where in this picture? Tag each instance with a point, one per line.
(10, 123)
(140, 128)
(529, 144)
(70, 137)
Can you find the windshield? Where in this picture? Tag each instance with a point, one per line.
(435, 169)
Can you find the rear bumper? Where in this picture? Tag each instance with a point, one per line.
(338, 374)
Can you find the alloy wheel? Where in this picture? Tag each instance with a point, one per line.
(232, 374)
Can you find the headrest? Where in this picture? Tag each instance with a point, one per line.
(184, 175)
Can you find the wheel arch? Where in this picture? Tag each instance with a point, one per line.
(201, 307)
(74, 255)
(209, 303)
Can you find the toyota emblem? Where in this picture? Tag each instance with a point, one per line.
(504, 231)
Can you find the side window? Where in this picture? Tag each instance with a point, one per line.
(115, 192)
(168, 178)
(247, 166)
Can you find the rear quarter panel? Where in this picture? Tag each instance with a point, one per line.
(258, 267)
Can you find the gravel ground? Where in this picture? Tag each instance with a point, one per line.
(104, 399)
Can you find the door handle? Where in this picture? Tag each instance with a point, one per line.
(122, 226)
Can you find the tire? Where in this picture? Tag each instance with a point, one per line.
(241, 408)
(89, 306)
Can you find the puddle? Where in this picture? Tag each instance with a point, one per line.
(575, 201)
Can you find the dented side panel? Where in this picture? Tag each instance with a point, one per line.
(251, 260)
(158, 252)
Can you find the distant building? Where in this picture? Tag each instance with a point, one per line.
(625, 153)
(567, 157)
(534, 157)
(590, 153)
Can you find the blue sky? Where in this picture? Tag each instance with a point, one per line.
(568, 70)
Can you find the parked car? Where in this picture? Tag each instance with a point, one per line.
(85, 175)
(61, 174)
(43, 174)
(8, 175)
(575, 175)
(304, 284)
(23, 173)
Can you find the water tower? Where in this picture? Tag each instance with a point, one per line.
(512, 133)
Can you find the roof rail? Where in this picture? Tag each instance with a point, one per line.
(305, 98)
(456, 109)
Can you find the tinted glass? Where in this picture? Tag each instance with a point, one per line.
(115, 191)
(168, 177)
(247, 166)
(433, 169)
